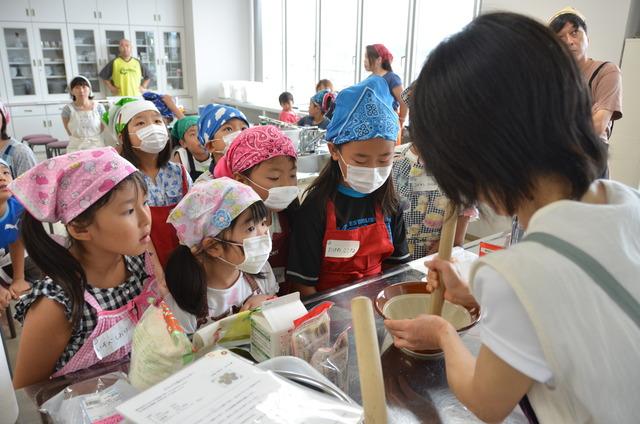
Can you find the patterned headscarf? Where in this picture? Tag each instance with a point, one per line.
(5, 112)
(214, 116)
(119, 115)
(324, 99)
(362, 112)
(61, 188)
(156, 99)
(182, 125)
(209, 208)
(253, 146)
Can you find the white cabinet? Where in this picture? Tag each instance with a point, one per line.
(33, 11)
(161, 50)
(87, 54)
(96, 11)
(38, 119)
(37, 65)
(156, 12)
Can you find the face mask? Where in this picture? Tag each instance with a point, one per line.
(256, 253)
(228, 139)
(363, 179)
(153, 138)
(279, 198)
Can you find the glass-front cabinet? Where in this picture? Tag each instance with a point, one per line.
(173, 64)
(146, 46)
(86, 57)
(37, 64)
(161, 51)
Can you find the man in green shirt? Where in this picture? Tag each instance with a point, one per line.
(125, 75)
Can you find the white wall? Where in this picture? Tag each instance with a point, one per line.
(221, 44)
(606, 20)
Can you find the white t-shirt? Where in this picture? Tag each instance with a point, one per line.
(505, 327)
(220, 301)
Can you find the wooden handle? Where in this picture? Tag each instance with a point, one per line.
(444, 252)
(369, 366)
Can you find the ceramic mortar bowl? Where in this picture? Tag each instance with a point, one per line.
(410, 299)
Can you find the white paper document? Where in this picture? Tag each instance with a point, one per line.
(223, 388)
(463, 261)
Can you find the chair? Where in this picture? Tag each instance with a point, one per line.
(30, 136)
(56, 148)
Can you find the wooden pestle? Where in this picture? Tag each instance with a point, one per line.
(369, 365)
(444, 252)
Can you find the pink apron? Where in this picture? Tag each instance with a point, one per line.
(86, 356)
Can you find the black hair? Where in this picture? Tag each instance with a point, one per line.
(3, 130)
(55, 260)
(285, 97)
(129, 153)
(560, 21)
(79, 81)
(325, 187)
(490, 118)
(372, 56)
(186, 276)
(326, 83)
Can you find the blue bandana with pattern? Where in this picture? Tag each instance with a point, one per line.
(214, 116)
(157, 100)
(364, 111)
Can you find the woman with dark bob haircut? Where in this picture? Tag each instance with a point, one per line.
(502, 114)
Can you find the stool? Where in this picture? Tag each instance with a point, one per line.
(30, 136)
(40, 141)
(56, 148)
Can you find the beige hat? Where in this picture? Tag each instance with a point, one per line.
(568, 11)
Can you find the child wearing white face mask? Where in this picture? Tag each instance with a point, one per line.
(221, 266)
(218, 126)
(424, 205)
(265, 159)
(144, 139)
(350, 222)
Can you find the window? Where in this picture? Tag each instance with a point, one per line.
(338, 37)
(303, 40)
(434, 22)
(301, 49)
(385, 22)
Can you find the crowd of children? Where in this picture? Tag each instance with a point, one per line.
(138, 227)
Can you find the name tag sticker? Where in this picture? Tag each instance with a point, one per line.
(341, 248)
(113, 339)
(424, 183)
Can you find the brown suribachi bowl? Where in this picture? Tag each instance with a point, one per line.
(410, 299)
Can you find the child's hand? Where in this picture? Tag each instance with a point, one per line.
(456, 289)
(255, 301)
(18, 287)
(5, 298)
(420, 333)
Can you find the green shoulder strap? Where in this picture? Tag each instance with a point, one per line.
(592, 268)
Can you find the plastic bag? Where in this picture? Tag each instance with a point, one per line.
(159, 347)
(90, 401)
(311, 332)
(332, 362)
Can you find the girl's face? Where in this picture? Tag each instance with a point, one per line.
(123, 225)
(244, 227)
(216, 145)
(280, 171)
(81, 92)
(138, 122)
(370, 65)
(287, 106)
(190, 142)
(372, 153)
(5, 179)
(314, 110)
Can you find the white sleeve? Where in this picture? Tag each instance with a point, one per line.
(188, 321)
(268, 285)
(505, 327)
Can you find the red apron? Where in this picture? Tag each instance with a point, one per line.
(375, 247)
(163, 235)
(280, 252)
